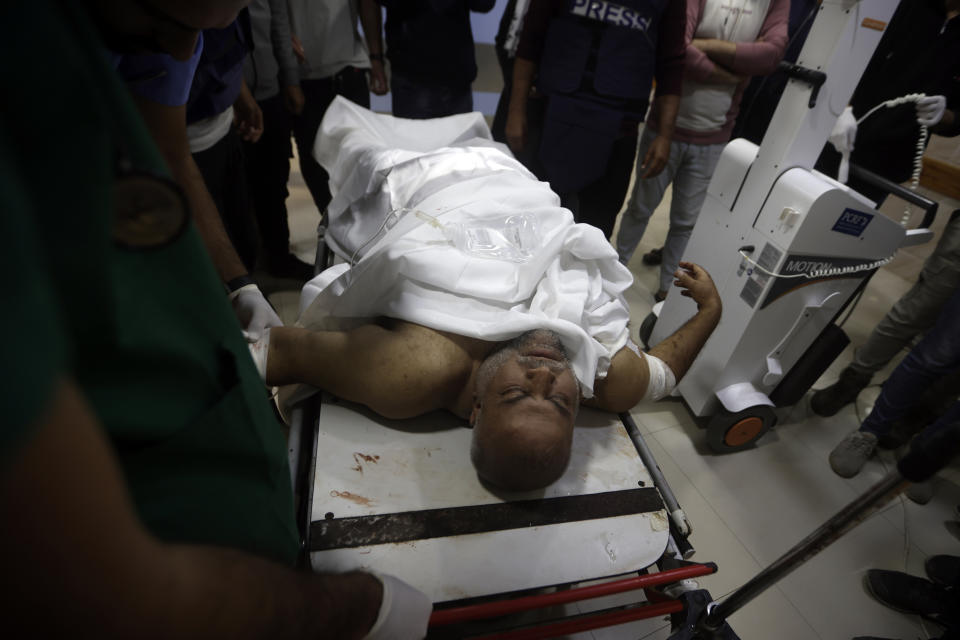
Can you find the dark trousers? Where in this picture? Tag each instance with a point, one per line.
(498, 128)
(268, 169)
(418, 100)
(224, 173)
(351, 83)
(600, 201)
(936, 356)
(536, 107)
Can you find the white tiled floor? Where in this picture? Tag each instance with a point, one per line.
(748, 508)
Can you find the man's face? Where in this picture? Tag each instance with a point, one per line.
(529, 381)
(160, 26)
(525, 404)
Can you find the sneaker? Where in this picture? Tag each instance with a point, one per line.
(909, 594)
(653, 257)
(826, 402)
(848, 457)
(287, 266)
(943, 570)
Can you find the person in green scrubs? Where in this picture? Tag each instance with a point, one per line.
(144, 488)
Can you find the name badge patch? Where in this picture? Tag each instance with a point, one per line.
(852, 222)
(610, 13)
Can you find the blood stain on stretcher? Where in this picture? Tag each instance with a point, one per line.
(360, 458)
(352, 497)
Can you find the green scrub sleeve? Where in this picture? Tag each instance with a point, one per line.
(32, 358)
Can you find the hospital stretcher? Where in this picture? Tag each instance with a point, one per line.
(402, 497)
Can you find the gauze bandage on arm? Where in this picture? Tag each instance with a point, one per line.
(662, 381)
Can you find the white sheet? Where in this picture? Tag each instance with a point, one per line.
(450, 169)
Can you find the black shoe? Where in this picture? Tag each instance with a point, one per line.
(653, 257)
(826, 402)
(910, 594)
(943, 570)
(287, 266)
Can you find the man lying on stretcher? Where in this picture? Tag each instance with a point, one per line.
(520, 396)
(508, 333)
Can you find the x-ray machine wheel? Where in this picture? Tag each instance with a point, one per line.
(728, 432)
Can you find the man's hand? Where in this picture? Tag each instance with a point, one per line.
(703, 44)
(378, 78)
(516, 128)
(656, 158)
(298, 50)
(720, 52)
(680, 349)
(253, 311)
(247, 116)
(696, 283)
(404, 612)
(722, 75)
(293, 99)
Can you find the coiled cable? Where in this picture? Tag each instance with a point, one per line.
(821, 273)
(920, 148)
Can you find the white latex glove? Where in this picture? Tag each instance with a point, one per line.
(253, 311)
(930, 110)
(404, 612)
(842, 137)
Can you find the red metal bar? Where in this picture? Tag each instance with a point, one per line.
(526, 603)
(576, 625)
(655, 596)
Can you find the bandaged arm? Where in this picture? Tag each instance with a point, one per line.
(660, 377)
(633, 376)
(653, 375)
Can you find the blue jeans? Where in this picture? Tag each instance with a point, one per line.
(937, 355)
(415, 99)
(689, 167)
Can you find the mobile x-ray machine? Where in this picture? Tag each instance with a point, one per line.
(788, 247)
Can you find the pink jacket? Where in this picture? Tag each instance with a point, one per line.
(760, 57)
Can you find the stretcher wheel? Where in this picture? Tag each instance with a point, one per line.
(728, 432)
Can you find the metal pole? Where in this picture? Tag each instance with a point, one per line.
(676, 513)
(847, 518)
